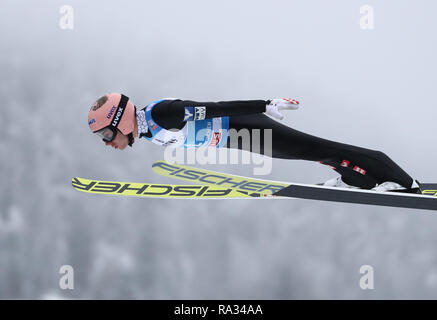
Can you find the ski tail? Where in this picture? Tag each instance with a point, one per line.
(429, 189)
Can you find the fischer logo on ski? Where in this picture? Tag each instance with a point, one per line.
(430, 192)
(216, 185)
(216, 178)
(156, 190)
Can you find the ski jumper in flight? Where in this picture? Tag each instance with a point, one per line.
(185, 123)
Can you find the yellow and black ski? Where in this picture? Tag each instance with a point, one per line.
(254, 187)
(155, 190)
(217, 185)
(425, 198)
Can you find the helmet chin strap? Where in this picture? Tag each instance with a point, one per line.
(131, 139)
(130, 135)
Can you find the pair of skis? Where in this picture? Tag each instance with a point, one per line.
(217, 185)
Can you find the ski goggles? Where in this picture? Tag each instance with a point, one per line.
(107, 134)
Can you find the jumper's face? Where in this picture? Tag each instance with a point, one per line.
(120, 141)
